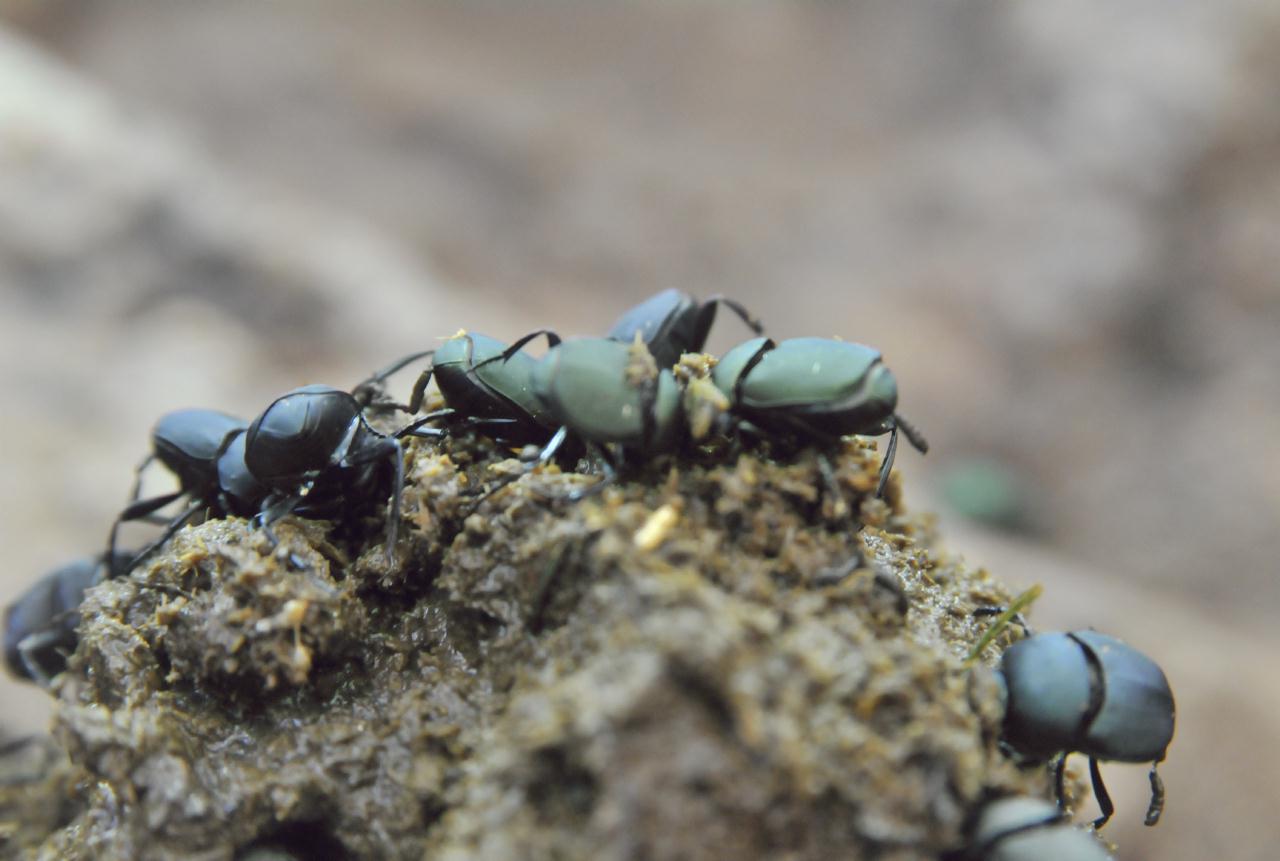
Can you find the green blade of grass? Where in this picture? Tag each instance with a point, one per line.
(1002, 621)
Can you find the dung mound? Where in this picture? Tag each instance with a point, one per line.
(707, 660)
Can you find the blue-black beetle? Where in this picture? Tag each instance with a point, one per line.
(815, 389)
(315, 453)
(40, 626)
(204, 449)
(1089, 693)
(672, 322)
(1029, 829)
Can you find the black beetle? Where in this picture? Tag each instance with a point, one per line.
(1029, 829)
(673, 322)
(314, 451)
(40, 626)
(205, 450)
(815, 389)
(1089, 693)
(311, 451)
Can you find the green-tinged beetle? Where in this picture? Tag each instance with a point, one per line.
(489, 386)
(815, 389)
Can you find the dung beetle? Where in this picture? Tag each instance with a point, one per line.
(204, 449)
(1089, 693)
(40, 626)
(673, 322)
(607, 393)
(816, 390)
(1029, 829)
(311, 451)
(314, 451)
(489, 386)
(602, 394)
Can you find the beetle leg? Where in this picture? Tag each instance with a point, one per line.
(396, 453)
(366, 390)
(736, 307)
(552, 340)
(887, 465)
(419, 391)
(274, 507)
(544, 456)
(842, 506)
(170, 531)
(917, 440)
(29, 645)
(1059, 781)
(1100, 793)
(1156, 807)
(759, 354)
(414, 428)
(136, 510)
(609, 477)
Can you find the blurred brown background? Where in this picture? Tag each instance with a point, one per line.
(1060, 222)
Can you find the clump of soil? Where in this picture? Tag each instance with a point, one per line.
(725, 656)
